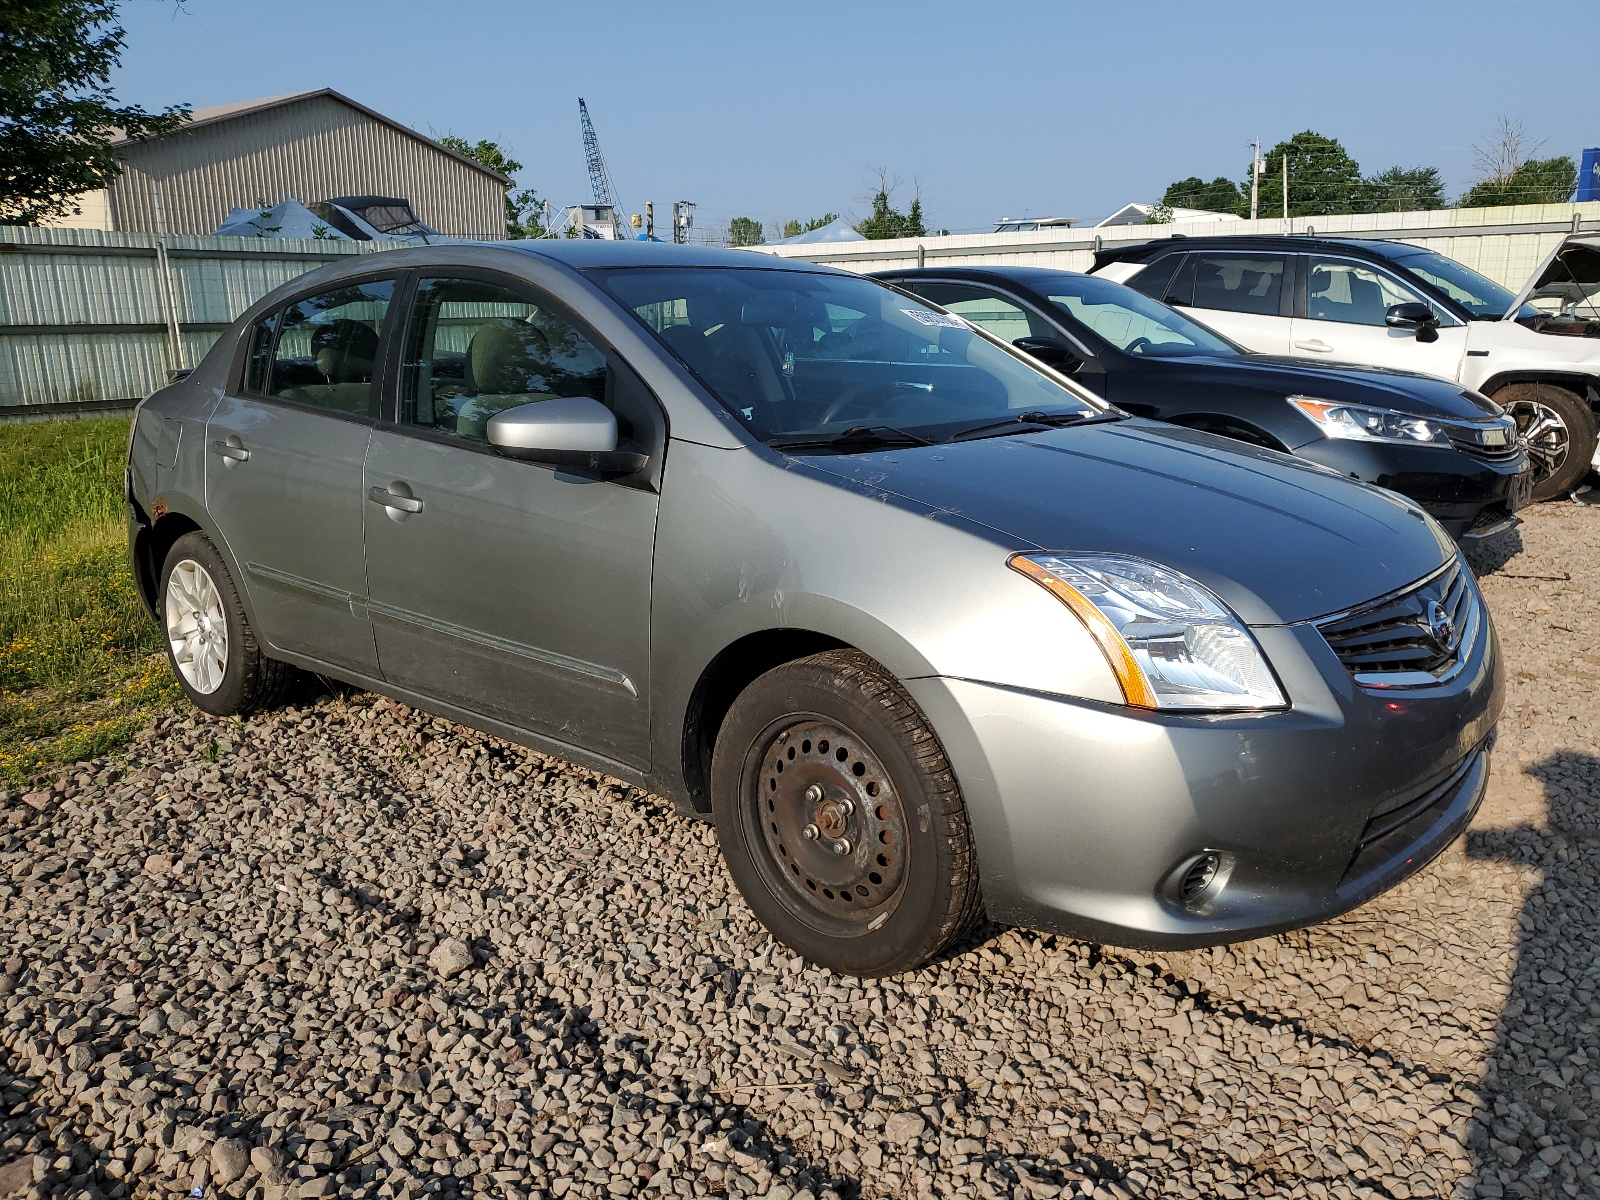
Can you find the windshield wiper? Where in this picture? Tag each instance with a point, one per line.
(1036, 418)
(857, 437)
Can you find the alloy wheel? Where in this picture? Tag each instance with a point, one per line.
(1545, 433)
(197, 628)
(832, 824)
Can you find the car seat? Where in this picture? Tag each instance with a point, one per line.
(508, 364)
(344, 352)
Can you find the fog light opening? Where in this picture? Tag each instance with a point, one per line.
(1196, 882)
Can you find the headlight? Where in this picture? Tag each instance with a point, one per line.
(1358, 423)
(1171, 643)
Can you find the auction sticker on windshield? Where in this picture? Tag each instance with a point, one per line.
(943, 320)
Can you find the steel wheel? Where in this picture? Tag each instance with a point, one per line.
(197, 628)
(1546, 434)
(832, 824)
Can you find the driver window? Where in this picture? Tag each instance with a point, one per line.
(1343, 291)
(475, 348)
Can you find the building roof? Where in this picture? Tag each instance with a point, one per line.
(226, 112)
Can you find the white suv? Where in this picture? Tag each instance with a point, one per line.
(1390, 304)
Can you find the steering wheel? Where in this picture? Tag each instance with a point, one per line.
(850, 396)
(1138, 344)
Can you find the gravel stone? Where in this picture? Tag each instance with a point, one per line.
(227, 952)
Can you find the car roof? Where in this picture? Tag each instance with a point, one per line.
(1295, 243)
(586, 253)
(1021, 275)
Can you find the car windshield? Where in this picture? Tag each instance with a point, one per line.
(804, 354)
(1485, 299)
(1130, 321)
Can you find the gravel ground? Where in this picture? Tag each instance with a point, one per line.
(342, 948)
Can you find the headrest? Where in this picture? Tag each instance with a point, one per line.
(1321, 280)
(345, 351)
(507, 358)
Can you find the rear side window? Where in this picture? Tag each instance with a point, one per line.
(1239, 283)
(327, 348)
(258, 365)
(1153, 280)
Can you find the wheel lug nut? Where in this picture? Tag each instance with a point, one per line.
(814, 793)
(809, 833)
(847, 806)
(842, 846)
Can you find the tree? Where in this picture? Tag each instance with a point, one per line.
(1220, 195)
(888, 222)
(1323, 178)
(1402, 189)
(524, 210)
(1535, 181)
(795, 228)
(745, 231)
(57, 111)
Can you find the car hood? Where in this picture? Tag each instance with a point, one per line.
(1279, 539)
(1403, 391)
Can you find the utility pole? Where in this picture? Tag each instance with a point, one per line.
(1255, 179)
(1285, 187)
(650, 220)
(682, 221)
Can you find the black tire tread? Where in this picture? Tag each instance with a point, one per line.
(850, 671)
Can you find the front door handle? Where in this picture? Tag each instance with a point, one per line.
(1316, 345)
(383, 496)
(231, 450)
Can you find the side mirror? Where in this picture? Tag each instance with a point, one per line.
(1052, 351)
(574, 431)
(1412, 315)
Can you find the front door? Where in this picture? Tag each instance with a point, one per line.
(1346, 303)
(284, 452)
(517, 591)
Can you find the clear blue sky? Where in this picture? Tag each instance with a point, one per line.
(779, 110)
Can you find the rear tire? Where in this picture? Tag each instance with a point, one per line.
(213, 651)
(1560, 430)
(840, 818)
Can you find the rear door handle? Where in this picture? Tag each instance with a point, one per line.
(230, 451)
(383, 496)
(1317, 345)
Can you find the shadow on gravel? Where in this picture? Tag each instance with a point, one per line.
(1491, 555)
(1535, 1132)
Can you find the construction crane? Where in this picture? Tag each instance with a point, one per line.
(599, 181)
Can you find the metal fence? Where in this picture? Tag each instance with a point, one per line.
(1506, 244)
(91, 320)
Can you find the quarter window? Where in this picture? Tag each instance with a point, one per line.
(327, 349)
(1339, 290)
(475, 348)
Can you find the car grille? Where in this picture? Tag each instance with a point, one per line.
(1414, 638)
(1397, 824)
(1495, 441)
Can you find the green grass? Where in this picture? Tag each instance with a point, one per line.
(81, 665)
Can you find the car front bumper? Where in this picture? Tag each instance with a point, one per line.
(1466, 494)
(1086, 815)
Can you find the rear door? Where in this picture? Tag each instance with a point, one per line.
(1246, 296)
(1347, 300)
(511, 589)
(284, 453)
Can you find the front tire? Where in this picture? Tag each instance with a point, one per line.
(212, 649)
(840, 818)
(1560, 430)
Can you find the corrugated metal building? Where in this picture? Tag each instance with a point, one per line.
(308, 146)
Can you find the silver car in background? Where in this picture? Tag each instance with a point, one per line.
(925, 628)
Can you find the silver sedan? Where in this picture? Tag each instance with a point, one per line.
(926, 629)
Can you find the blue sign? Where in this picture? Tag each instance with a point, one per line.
(1589, 175)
